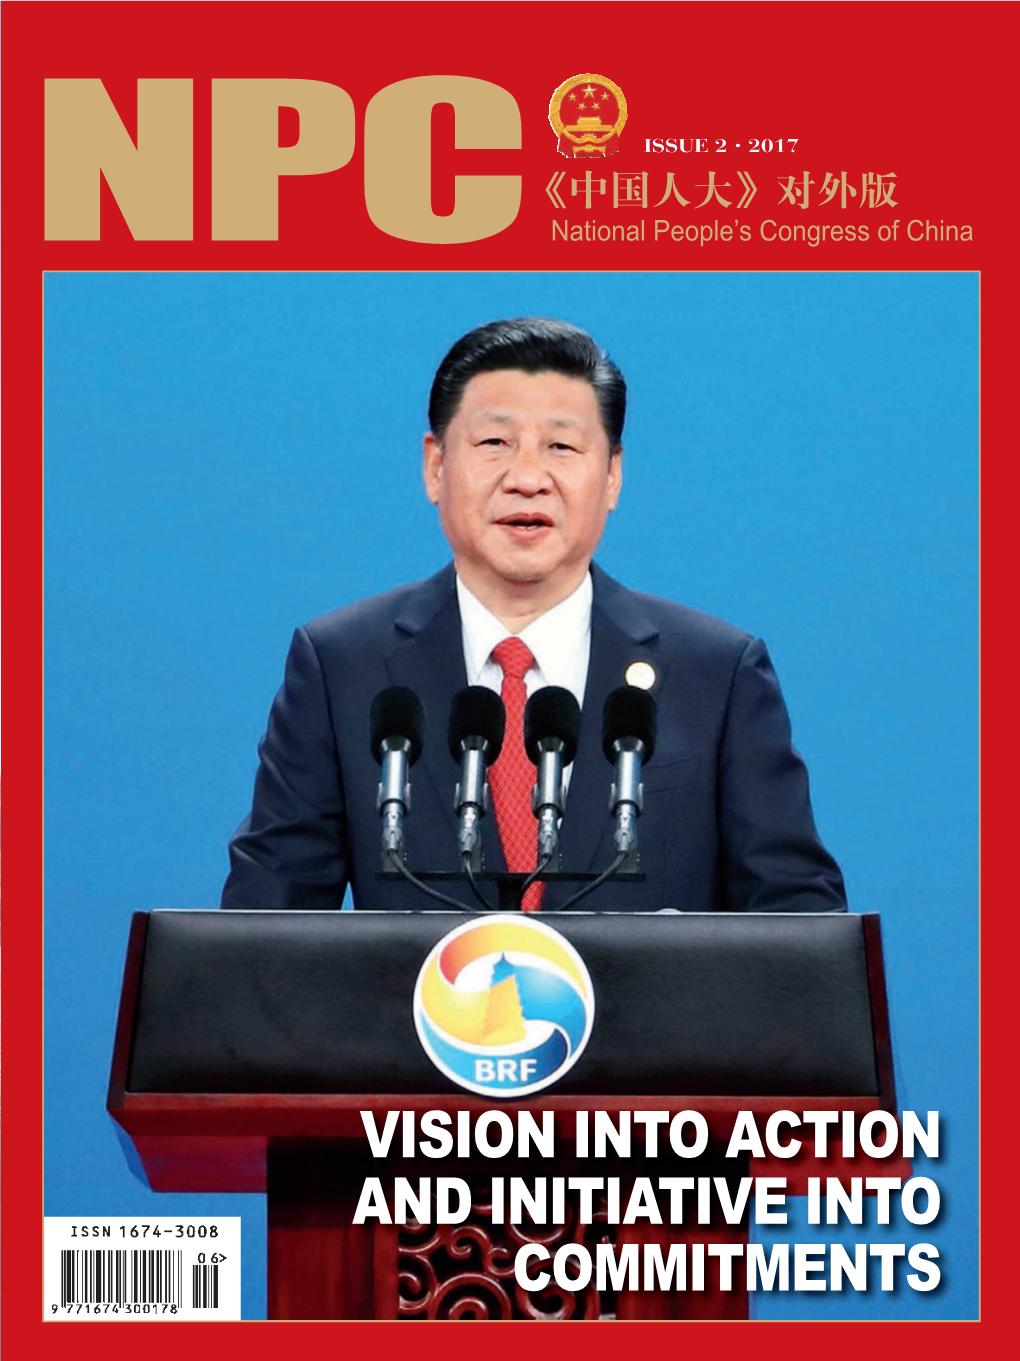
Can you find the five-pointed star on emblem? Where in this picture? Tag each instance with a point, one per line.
(588, 90)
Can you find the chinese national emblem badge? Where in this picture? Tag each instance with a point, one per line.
(587, 114)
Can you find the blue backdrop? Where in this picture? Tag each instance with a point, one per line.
(229, 455)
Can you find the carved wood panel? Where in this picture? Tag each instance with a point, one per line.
(466, 1271)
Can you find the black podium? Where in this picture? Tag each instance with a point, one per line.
(248, 1044)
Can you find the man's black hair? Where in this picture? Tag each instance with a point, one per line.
(533, 345)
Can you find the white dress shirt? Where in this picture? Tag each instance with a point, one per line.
(559, 641)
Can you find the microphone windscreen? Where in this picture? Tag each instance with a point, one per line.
(552, 712)
(477, 713)
(628, 712)
(397, 712)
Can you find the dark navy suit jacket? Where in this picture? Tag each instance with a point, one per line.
(727, 824)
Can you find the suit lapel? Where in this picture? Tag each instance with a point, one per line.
(429, 659)
(621, 633)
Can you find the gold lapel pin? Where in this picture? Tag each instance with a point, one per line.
(641, 675)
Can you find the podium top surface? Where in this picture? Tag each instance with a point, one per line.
(321, 1002)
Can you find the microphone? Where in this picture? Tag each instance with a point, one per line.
(552, 719)
(628, 738)
(397, 727)
(477, 722)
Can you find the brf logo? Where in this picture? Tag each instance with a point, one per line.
(587, 114)
(504, 1006)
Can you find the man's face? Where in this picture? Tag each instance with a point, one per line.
(524, 481)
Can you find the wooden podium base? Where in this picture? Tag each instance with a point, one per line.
(321, 1266)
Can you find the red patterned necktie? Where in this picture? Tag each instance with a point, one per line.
(512, 777)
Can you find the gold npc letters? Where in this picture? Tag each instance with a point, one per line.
(151, 177)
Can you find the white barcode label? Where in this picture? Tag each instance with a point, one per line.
(183, 1268)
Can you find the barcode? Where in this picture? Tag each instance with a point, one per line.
(149, 1267)
(121, 1276)
(205, 1287)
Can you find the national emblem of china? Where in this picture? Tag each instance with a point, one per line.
(587, 114)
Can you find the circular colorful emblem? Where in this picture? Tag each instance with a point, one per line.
(588, 114)
(504, 1005)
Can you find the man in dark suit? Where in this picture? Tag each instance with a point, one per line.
(523, 461)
